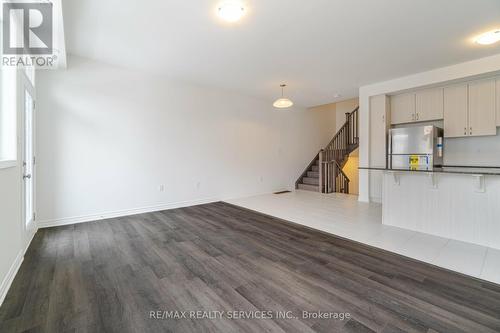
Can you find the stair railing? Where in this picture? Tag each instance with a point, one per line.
(345, 139)
(341, 180)
(331, 177)
(333, 158)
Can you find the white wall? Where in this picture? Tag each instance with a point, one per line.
(11, 243)
(331, 110)
(341, 108)
(108, 137)
(338, 110)
(370, 182)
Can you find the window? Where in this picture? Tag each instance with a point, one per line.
(8, 135)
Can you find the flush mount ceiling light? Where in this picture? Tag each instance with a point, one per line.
(491, 37)
(282, 103)
(231, 11)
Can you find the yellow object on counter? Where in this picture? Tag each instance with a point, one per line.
(414, 162)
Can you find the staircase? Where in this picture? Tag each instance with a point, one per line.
(324, 174)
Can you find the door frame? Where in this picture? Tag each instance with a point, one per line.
(25, 85)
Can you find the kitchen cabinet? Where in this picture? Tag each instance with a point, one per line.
(482, 108)
(402, 108)
(429, 104)
(379, 126)
(498, 102)
(470, 109)
(423, 105)
(455, 111)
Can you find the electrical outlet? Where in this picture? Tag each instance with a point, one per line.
(261, 179)
(198, 185)
(161, 188)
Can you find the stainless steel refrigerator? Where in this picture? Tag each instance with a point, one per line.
(415, 148)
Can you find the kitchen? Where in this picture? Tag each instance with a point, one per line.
(438, 151)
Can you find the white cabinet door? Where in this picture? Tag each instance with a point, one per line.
(498, 102)
(429, 104)
(403, 108)
(455, 111)
(379, 115)
(482, 110)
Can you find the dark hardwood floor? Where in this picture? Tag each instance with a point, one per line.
(108, 276)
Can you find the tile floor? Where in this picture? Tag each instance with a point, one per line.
(344, 216)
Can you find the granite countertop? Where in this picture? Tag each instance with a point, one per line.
(465, 170)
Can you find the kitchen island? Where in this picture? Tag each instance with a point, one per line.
(461, 203)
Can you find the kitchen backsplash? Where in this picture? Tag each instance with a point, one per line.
(473, 151)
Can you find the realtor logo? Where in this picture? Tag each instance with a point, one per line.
(27, 28)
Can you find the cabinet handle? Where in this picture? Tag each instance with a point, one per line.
(417, 116)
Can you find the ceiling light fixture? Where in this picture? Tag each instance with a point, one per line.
(491, 37)
(282, 103)
(231, 11)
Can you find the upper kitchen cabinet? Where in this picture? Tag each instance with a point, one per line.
(403, 108)
(423, 105)
(468, 109)
(482, 108)
(429, 104)
(456, 111)
(498, 102)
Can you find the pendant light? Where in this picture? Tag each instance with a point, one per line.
(282, 103)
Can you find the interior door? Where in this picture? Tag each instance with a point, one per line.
(28, 157)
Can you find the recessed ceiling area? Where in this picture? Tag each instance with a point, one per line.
(321, 48)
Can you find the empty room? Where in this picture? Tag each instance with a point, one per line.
(250, 166)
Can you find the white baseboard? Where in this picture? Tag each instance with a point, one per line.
(7, 281)
(120, 213)
(11, 274)
(29, 238)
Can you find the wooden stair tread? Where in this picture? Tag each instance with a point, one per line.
(306, 187)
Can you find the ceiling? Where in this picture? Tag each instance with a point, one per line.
(318, 47)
